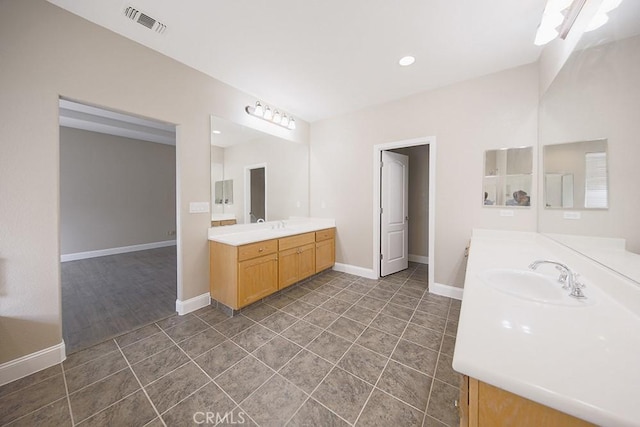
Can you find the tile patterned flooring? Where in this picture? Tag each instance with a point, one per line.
(335, 350)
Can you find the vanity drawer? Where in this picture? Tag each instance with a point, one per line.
(327, 234)
(295, 241)
(257, 249)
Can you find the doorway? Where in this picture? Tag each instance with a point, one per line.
(421, 198)
(255, 193)
(118, 221)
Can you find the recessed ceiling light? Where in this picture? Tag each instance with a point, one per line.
(406, 60)
(217, 132)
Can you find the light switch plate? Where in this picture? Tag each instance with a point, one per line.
(198, 207)
(506, 212)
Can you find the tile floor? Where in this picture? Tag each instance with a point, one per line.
(335, 350)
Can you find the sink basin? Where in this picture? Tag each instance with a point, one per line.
(530, 285)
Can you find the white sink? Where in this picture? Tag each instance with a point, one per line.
(532, 286)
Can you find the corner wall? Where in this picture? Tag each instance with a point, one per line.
(64, 55)
(494, 111)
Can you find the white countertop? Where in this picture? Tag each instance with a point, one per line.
(581, 360)
(242, 234)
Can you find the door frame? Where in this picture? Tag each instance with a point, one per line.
(430, 141)
(247, 190)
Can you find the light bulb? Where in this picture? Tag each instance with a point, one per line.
(285, 120)
(277, 117)
(292, 124)
(267, 113)
(258, 111)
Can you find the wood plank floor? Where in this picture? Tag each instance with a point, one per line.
(108, 296)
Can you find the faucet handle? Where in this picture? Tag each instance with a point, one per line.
(563, 277)
(576, 282)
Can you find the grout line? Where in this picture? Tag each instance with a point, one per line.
(66, 388)
(436, 369)
(141, 386)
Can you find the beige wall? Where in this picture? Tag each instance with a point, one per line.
(495, 111)
(596, 96)
(46, 53)
(114, 191)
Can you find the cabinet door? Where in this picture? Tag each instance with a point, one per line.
(306, 261)
(287, 268)
(257, 278)
(325, 254)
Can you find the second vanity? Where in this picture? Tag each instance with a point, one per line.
(252, 261)
(530, 354)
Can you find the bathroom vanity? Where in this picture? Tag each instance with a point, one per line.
(250, 262)
(530, 354)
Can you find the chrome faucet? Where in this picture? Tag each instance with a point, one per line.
(568, 278)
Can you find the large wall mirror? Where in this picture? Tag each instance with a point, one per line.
(256, 177)
(595, 98)
(576, 176)
(507, 177)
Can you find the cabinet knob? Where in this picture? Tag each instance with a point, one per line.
(261, 249)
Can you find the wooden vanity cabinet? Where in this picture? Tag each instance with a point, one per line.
(243, 274)
(240, 275)
(325, 249)
(296, 259)
(482, 404)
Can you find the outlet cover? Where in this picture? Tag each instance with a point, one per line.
(571, 215)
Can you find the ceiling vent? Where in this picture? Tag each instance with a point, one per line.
(142, 19)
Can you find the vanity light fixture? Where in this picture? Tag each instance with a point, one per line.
(272, 116)
(557, 19)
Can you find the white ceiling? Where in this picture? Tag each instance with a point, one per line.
(317, 58)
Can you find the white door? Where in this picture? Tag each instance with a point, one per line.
(394, 226)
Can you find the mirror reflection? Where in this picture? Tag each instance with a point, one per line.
(597, 95)
(223, 192)
(575, 175)
(256, 177)
(507, 177)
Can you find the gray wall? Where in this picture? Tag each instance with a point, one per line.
(114, 191)
(418, 198)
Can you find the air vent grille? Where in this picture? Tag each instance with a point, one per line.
(144, 19)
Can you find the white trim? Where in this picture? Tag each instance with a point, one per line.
(419, 259)
(430, 141)
(358, 271)
(31, 363)
(247, 191)
(114, 251)
(193, 304)
(446, 290)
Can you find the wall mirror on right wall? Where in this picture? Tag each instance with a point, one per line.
(575, 175)
(595, 98)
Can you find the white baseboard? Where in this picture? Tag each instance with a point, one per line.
(31, 363)
(352, 269)
(419, 259)
(192, 304)
(446, 290)
(114, 251)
